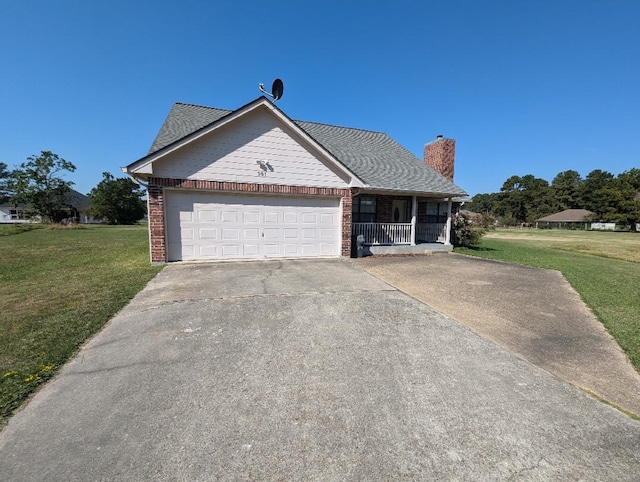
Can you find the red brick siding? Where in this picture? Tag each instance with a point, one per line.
(155, 201)
(156, 205)
(440, 155)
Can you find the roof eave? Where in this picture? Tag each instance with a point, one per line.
(403, 192)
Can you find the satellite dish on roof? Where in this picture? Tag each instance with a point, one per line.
(277, 89)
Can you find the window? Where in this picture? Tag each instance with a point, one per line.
(17, 214)
(364, 209)
(436, 212)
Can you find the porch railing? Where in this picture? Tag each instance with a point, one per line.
(383, 233)
(399, 233)
(431, 232)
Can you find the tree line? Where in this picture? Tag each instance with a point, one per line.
(523, 199)
(39, 187)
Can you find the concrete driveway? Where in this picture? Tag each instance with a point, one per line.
(532, 312)
(305, 370)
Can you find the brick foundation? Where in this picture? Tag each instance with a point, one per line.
(157, 232)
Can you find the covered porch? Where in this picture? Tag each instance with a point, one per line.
(392, 220)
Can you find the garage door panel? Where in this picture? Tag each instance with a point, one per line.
(309, 249)
(251, 217)
(326, 234)
(290, 218)
(327, 219)
(230, 251)
(252, 234)
(186, 216)
(251, 250)
(207, 233)
(290, 233)
(207, 215)
(309, 233)
(309, 218)
(230, 234)
(326, 249)
(188, 251)
(229, 216)
(213, 226)
(209, 251)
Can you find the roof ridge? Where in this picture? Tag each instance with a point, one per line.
(341, 127)
(188, 104)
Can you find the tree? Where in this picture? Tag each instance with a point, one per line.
(591, 195)
(38, 185)
(483, 203)
(524, 199)
(566, 190)
(632, 176)
(628, 201)
(119, 201)
(5, 183)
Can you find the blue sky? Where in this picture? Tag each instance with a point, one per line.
(524, 87)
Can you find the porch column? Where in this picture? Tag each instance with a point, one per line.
(447, 235)
(414, 213)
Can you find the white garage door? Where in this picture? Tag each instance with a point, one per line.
(225, 226)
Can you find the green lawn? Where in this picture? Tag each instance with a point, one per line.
(604, 268)
(60, 286)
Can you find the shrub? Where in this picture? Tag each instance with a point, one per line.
(466, 234)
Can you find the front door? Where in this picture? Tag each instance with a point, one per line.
(399, 211)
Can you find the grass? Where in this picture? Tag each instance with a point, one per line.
(59, 287)
(604, 268)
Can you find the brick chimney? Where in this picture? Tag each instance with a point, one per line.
(440, 155)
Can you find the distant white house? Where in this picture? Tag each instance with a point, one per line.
(12, 214)
(78, 202)
(603, 226)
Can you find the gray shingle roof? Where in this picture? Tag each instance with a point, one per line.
(183, 119)
(567, 216)
(378, 160)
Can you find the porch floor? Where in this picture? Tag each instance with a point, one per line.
(424, 248)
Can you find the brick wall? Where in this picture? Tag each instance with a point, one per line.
(157, 232)
(440, 155)
(155, 204)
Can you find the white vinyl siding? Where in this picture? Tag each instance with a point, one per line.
(254, 149)
(232, 226)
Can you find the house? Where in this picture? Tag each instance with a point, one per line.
(253, 183)
(569, 218)
(78, 205)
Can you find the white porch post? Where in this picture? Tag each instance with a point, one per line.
(414, 213)
(447, 235)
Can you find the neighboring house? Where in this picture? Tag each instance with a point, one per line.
(570, 218)
(13, 214)
(78, 207)
(253, 183)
